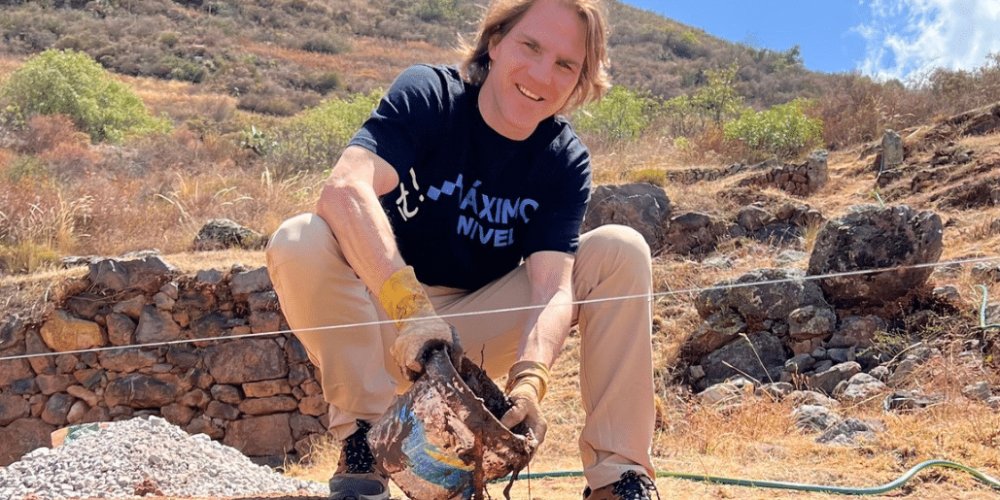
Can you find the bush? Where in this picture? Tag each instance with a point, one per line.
(784, 131)
(72, 84)
(313, 140)
(621, 114)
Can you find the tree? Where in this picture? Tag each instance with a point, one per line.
(72, 84)
(719, 98)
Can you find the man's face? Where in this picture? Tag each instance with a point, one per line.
(534, 69)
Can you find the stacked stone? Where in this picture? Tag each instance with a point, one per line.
(258, 394)
(798, 180)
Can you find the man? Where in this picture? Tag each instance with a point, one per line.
(463, 195)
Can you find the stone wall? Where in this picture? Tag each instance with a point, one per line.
(797, 180)
(256, 394)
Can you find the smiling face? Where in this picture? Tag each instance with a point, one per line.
(534, 69)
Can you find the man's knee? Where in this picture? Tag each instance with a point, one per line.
(297, 238)
(617, 240)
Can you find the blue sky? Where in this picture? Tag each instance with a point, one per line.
(901, 39)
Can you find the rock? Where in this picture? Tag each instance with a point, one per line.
(303, 425)
(82, 393)
(947, 293)
(121, 329)
(266, 388)
(810, 418)
(267, 406)
(643, 207)
(762, 358)
(909, 400)
(719, 329)
(753, 218)
(11, 335)
(146, 274)
(196, 398)
(858, 331)
(314, 405)
(77, 413)
(203, 425)
(724, 394)
(861, 386)
(776, 391)
(694, 234)
(261, 436)
(762, 294)
(850, 431)
(979, 391)
(140, 391)
(156, 326)
(817, 170)
(892, 151)
(985, 272)
(13, 370)
(810, 322)
(264, 301)
(800, 363)
(127, 360)
(85, 305)
(177, 414)
(904, 371)
(827, 380)
(63, 332)
(880, 372)
(245, 283)
(221, 411)
(250, 361)
(220, 234)
(226, 394)
(57, 408)
(873, 238)
(51, 384)
(13, 408)
(22, 436)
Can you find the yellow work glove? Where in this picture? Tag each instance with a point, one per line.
(527, 383)
(420, 329)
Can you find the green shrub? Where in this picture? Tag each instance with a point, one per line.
(784, 131)
(72, 84)
(621, 114)
(313, 140)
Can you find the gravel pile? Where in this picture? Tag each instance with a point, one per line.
(132, 458)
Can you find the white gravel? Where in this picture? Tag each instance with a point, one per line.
(122, 459)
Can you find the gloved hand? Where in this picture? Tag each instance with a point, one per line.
(527, 383)
(420, 330)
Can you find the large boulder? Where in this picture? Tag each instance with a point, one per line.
(761, 295)
(21, 436)
(220, 234)
(872, 238)
(761, 356)
(643, 207)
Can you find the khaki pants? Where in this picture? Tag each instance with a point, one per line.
(317, 289)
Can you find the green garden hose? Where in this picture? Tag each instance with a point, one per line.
(753, 483)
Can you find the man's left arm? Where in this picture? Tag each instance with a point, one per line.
(549, 277)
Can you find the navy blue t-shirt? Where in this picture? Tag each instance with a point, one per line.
(471, 203)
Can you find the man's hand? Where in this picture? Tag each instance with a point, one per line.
(420, 329)
(419, 336)
(527, 383)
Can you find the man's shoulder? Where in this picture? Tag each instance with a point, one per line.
(435, 76)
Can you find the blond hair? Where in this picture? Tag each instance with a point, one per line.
(503, 15)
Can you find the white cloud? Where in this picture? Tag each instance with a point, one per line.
(906, 39)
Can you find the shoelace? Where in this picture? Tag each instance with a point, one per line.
(357, 455)
(634, 486)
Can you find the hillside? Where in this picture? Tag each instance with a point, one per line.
(278, 56)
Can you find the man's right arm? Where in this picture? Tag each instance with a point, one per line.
(350, 206)
(349, 203)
